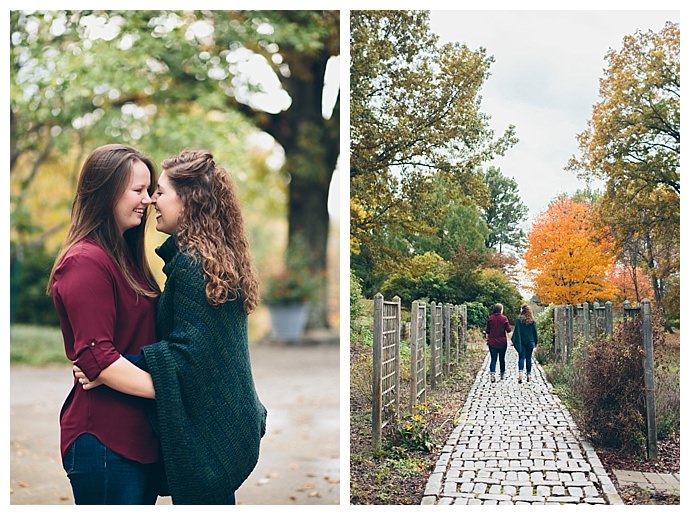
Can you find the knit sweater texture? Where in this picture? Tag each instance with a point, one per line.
(524, 333)
(208, 413)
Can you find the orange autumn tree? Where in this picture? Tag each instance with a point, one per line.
(630, 283)
(569, 256)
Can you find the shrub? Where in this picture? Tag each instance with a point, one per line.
(412, 433)
(667, 386)
(29, 303)
(356, 301)
(611, 389)
(361, 378)
(544, 350)
(477, 314)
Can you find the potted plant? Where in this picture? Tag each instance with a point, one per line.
(287, 296)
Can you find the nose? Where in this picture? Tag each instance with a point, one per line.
(146, 200)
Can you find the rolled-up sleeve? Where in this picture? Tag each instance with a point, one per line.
(85, 289)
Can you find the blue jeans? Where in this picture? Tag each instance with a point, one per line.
(101, 476)
(499, 354)
(525, 357)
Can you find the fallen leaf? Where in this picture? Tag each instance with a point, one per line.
(23, 484)
(262, 481)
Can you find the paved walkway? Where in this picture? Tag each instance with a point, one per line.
(300, 455)
(517, 444)
(664, 483)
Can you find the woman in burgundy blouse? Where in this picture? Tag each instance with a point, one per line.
(497, 327)
(105, 295)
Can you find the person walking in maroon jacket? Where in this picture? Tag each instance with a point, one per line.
(497, 327)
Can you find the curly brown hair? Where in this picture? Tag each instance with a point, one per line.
(526, 314)
(211, 223)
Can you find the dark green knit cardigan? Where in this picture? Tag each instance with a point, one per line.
(523, 333)
(209, 417)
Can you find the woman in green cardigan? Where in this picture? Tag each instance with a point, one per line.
(208, 414)
(524, 340)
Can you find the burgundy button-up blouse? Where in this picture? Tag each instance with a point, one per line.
(101, 317)
(496, 328)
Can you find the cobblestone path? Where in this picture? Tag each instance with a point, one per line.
(517, 444)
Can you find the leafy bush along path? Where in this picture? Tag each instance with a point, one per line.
(398, 475)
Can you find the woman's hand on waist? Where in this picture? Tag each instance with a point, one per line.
(85, 382)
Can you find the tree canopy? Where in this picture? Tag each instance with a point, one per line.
(167, 80)
(414, 110)
(418, 142)
(632, 142)
(505, 211)
(568, 255)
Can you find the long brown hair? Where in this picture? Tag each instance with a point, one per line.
(211, 223)
(103, 179)
(526, 314)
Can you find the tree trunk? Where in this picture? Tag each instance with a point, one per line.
(312, 147)
(308, 223)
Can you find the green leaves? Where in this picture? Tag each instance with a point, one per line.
(505, 211)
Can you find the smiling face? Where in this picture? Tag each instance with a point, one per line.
(168, 206)
(130, 208)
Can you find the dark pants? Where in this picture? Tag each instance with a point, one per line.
(525, 357)
(500, 354)
(101, 476)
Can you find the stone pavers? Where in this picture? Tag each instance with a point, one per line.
(667, 483)
(517, 444)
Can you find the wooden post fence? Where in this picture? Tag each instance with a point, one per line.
(560, 332)
(386, 387)
(570, 333)
(436, 326)
(417, 354)
(586, 333)
(650, 399)
(447, 338)
(463, 330)
(609, 318)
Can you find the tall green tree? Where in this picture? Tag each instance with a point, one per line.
(505, 211)
(633, 142)
(414, 110)
(452, 220)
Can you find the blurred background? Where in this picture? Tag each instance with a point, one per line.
(259, 89)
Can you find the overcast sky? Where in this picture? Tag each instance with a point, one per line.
(544, 80)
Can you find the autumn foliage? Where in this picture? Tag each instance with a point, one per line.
(569, 256)
(631, 283)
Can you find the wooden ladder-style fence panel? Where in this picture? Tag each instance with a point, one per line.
(447, 337)
(586, 321)
(436, 343)
(386, 387)
(417, 354)
(454, 334)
